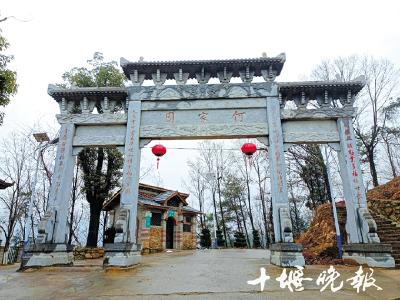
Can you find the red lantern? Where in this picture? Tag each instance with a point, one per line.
(158, 150)
(249, 149)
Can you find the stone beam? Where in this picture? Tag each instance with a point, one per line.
(215, 131)
(93, 119)
(316, 132)
(317, 114)
(99, 135)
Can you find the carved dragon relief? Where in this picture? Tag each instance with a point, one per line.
(202, 91)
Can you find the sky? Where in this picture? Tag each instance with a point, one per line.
(48, 38)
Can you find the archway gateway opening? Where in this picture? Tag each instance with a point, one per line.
(278, 114)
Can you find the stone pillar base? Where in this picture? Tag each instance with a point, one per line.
(121, 255)
(373, 255)
(287, 255)
(47, 255)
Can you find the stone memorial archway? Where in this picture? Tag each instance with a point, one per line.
(278, 114)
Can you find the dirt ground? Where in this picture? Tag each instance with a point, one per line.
(201, 274)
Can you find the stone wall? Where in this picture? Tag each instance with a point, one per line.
(156, 234)
(81, 253)
(152, 239)
(388, 209)
(188, 241)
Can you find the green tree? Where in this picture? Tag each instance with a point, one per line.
(240, 240)
(311, 169)
(256, 239)
(8, 78)
(101, 167)
(205, 238)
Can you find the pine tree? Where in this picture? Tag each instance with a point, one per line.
(205, 238)
(220, 239)
(240, 240)
(256, 239)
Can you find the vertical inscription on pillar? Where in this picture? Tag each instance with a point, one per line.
(280, 204)
(61, 186)
(129, 154)
(61, 157)
(352, 161)
(130, 182)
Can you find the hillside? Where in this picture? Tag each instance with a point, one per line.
(319, 240)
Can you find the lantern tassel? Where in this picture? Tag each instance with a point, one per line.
(158, 162)
(249, 160)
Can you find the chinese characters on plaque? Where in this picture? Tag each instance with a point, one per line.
(330, 278)
(237, 116)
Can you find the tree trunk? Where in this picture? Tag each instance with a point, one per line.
(249, 199)
(390, 156)
(372, 166)
(271, 218)
(94, 223)
(71, 217)
(239, 225)
(222, 213)
(264, 212)
(244, 222)
(215, 209)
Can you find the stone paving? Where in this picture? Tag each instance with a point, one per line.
(201, 274)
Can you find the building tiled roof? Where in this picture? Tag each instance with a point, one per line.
(190, 209)
(152, 196)
(94, 93)
(148, 68)
(147, 201)
(289, 90)
(164, 196)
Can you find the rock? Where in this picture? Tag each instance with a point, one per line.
(88, 253)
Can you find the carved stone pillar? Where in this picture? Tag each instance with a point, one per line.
(179, 232)
(125, 251)
(51, 244)
(283, 252)
(194, 227)
(363, 241)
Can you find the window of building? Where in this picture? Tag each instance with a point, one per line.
(155, 219)
(188, 219)
(187, 228)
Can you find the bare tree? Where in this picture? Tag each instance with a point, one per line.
(197, 186)
(381, 77)
(381, 80)
(15, 166)
(260, 164)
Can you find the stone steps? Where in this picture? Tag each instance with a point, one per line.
(388, 232)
